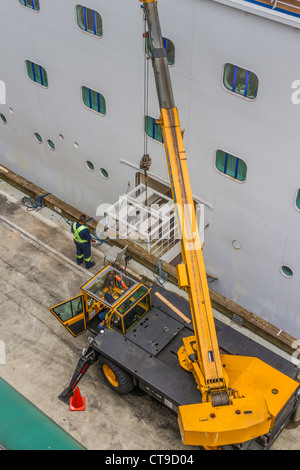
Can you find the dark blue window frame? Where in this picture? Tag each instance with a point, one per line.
(234, 79)
(231, 166)
(33, 4)
(83, 20)
(240, 81)
(153, 129)
(168, 46)
(88, 97)
(37, 73)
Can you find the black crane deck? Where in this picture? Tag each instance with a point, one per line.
(148, 351)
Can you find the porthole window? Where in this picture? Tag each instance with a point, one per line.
(240, 81)
(33, 4)
(287, 271)
(3, 119)
(89, 20)
(298, 199)
(93, 100)
(38, 138)
(153, 129)
(104, 173)
(90, 165)
(231, 165)
(51, 144)
(169, 48)
(37, 73)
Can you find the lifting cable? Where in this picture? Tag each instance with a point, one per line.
(145, 162)
(146, 85)
(32, 204)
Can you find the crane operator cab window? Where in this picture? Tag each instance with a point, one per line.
(116, 323)
(131, 311)
(136, 313)
(111, 296)
(109, 286)
(69, 309)
(134, 307)
(72, 314)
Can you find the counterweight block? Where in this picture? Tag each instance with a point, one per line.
(258, 393)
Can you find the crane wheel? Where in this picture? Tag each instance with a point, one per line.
(296, 417)
(116, 378)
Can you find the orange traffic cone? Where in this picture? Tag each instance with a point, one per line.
(77, 402)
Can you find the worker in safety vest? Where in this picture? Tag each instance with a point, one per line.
(83, 239)
(103, 316)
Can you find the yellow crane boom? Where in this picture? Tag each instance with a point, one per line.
(241, 396)
(206, 366)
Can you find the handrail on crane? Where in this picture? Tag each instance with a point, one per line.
(234, 407)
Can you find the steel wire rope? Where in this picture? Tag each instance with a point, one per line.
(146, 87)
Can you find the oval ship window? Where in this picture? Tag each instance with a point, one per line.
(90, 165)
(286, 271)
(104, 173)
(3, 119)
(38, 138)
(51, 144)
(298, 199)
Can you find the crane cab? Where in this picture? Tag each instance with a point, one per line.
(113, 295)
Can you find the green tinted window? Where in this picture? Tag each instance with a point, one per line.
(33, 4)
(116, 323)
(231, 166)
(287, 271)
(51, 144)
(38, 137)
(93, 100)
(240, 81)
(89, 20)
(133, 316)
(298, 199)
(69, 309)
(37, 73)
(138, 294)
(169, 47)
(153, 129)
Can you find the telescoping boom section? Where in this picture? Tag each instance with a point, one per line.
(241, 396)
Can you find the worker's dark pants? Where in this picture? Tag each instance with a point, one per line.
(83, 253)
(102, 317)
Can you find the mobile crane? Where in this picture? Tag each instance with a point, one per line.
(232, 399)
(237, 405)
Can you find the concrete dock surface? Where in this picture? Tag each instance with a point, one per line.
(38, 270)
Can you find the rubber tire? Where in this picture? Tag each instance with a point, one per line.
(125, 381)
(296, 417)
